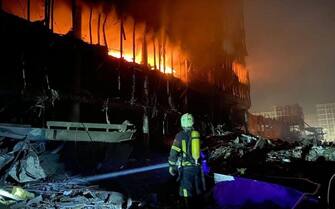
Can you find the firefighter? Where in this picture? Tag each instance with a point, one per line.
(184, 159)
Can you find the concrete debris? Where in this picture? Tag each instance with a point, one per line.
(315, 152)
(303, 153)
(232, 147)
(66, 195)
(23, 162)
(235, 146)
(221, 152)
(248, 138)
(285, 155)
(319, 151)
(33, 202)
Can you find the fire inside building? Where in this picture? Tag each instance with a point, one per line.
(94, 91)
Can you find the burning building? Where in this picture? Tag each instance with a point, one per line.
(72, 59)
(111, 71)
(104, 72)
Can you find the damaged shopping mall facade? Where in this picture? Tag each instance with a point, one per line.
(103, 62)
(97, 86)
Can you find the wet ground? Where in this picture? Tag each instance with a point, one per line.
(157, 189)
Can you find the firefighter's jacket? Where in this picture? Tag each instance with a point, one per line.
(190, 174)
(181, 151)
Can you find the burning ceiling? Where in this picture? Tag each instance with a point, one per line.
(167, 35)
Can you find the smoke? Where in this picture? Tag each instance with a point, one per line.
(214, 26)
(197, 26)
(291, 52)
(204, 30)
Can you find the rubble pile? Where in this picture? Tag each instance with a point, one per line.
(65, 195)
(285, 155)
(28, 180)
(319, 151)
(236, 146)
(308, 153)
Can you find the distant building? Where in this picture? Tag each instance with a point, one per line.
(287, 121)
(266, 127)
(270, 114)
(292, 115)
(326, 119)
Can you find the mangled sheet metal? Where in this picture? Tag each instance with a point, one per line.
(21, 166)
(22, 163)
(27, 169)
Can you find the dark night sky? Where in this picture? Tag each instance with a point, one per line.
(291, 46)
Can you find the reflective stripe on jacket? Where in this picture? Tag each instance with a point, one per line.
(181, 148)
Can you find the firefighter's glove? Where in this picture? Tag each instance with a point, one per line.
(173, 170)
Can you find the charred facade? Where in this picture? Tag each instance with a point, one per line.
(139, 69)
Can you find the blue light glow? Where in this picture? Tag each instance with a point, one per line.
(241, 192)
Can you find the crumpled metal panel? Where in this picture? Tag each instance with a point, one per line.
(27, 169)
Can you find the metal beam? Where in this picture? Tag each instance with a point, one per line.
(69, 131)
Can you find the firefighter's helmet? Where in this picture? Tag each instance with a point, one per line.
(186, 121)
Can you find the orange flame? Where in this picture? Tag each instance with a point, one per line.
(241, 72)
(174, 56)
